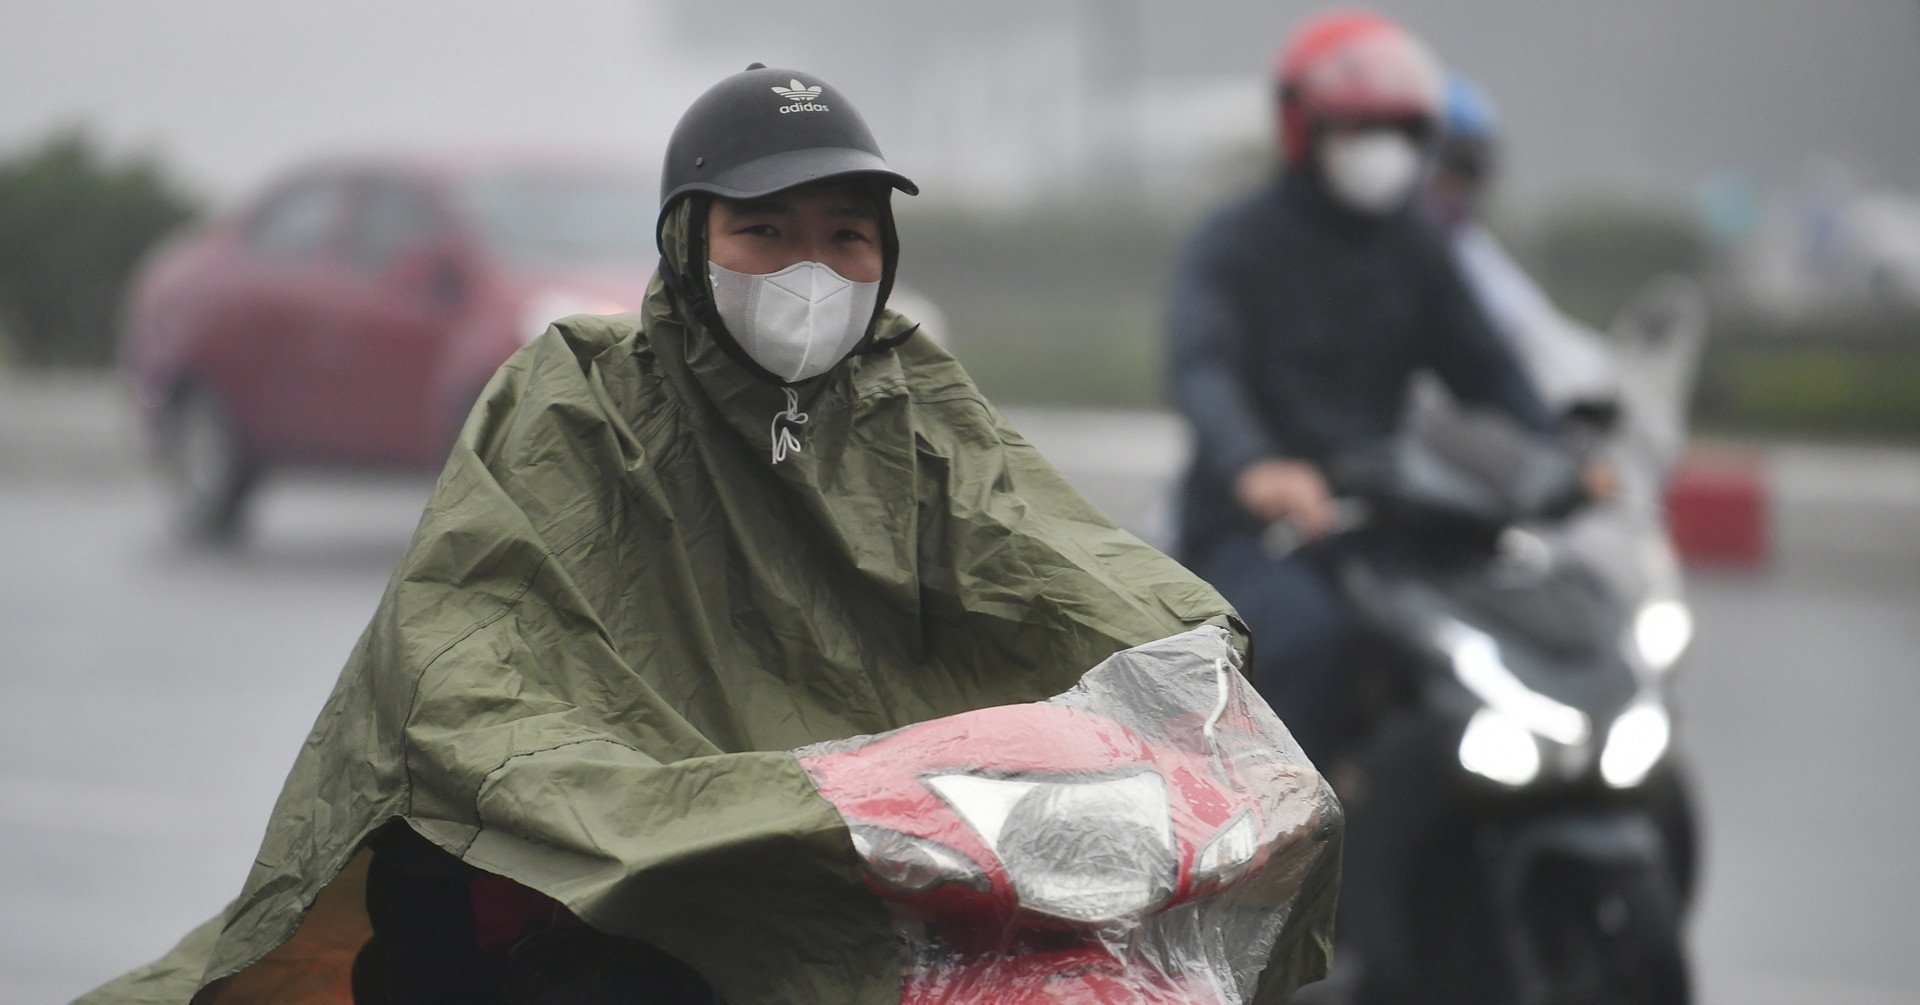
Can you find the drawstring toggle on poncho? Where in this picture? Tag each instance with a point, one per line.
(786, 427)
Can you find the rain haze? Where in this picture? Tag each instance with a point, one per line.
(158, 688)
(998, 99)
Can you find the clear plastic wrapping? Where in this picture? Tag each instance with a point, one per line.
(1141, 837)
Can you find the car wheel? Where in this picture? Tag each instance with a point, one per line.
(211, 478)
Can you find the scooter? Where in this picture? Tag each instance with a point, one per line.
(1518, 831)
(1141, 838)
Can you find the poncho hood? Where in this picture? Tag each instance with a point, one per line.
(618, 614)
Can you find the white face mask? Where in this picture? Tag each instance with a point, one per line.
(798, 322)
(1372, 171)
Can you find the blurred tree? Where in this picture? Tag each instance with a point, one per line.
(72, 228)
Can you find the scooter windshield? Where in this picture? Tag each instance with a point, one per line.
(1153, 834)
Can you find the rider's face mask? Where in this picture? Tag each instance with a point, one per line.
(798, 322)
(1372, 170)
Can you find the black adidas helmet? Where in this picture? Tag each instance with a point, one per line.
(763, 130)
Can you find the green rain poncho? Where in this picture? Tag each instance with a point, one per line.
(618, 613)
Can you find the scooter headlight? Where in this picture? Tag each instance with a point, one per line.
(1498, 747)
(1662, 631)
(1479, 668)
(1087, 852)
(913, 864)
(1226, 857)
(1635, 744)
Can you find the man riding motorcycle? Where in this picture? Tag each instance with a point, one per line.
(668, 549)
(1298, 316)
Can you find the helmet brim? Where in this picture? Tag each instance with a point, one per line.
(789, 168)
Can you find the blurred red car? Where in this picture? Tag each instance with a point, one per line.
(349, 316)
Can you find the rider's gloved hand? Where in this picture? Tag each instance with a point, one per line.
(1276, 489)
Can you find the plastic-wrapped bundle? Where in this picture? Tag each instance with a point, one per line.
(1143, 837)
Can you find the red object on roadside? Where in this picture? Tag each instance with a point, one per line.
(1717, 508)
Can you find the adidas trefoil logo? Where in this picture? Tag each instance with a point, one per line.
(801, 96)
(796, 91)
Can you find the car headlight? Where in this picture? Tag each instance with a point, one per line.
(1226, 857)
(1662, 630)
(911, 863)
(1479, 668)
(1087, 852)
(1635, 743)
(1498, 747)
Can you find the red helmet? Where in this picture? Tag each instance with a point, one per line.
(1353, 65)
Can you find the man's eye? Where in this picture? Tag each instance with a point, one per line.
(761, 230)
(854, 235)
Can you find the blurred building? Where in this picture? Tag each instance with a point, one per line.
(1016, 101)
(992, 99)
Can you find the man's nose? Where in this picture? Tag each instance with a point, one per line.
(814, 247)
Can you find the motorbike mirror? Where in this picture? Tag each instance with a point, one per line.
(1661, 334)
(1668, 308)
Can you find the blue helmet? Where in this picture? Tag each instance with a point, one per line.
(1469, 112)
(1470, 129)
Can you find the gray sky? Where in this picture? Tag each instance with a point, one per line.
(232, 89)
(985, 96)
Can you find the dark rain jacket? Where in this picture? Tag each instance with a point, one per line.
(1295, 327)
(618, 615)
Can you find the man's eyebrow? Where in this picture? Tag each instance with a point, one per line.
(859, 209)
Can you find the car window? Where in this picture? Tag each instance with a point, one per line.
(549, 218)
(300, 222)
(395, 216)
